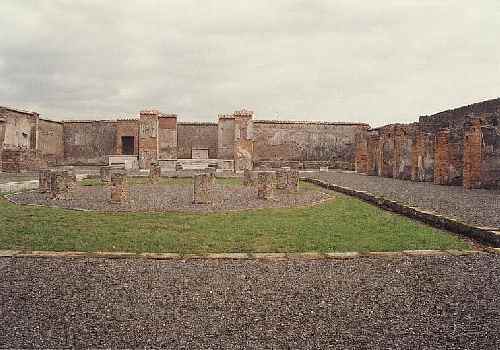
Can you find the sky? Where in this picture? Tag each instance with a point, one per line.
(378, 62)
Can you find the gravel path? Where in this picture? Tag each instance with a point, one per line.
(404, 303)
(478, 207)
(174, 198)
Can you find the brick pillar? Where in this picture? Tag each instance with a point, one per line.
(203, 188)
(44, 181)
(119, 187)
(154, 172)
(61, 184)
(105, 173)
(472, 156)
(148, 138)
(243, 140)
(373, 144)
(442, 158)
(361, 152)
(265, 184)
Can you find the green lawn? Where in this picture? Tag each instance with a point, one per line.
(344, 224)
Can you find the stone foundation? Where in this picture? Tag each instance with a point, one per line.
(265, 184)
(203, 187)
(292, 180)
(119, 187)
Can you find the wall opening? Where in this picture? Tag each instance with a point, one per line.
(127, 145)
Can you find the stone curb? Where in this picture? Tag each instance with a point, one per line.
(485, 235)
(242, 256)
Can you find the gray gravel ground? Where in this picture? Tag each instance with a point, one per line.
(368, 303)
(478, 207)
(174, 198)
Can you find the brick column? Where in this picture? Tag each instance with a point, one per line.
(472, 156)
(281, 179)
(292, 180)
(243, 140)
(442, 158)
(148, 138)
(203, 188)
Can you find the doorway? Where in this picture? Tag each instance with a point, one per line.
(128, 145)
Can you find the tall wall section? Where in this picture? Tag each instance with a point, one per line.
(307, 144)
(195, 136)
(50, 141)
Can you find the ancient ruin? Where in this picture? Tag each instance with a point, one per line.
(456, 147)
(119, 187)
(203, 188)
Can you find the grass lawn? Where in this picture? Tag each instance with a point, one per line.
(344, 224)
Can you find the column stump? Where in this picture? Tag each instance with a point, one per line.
(44, 181)
(265, 184)
(154, 172)
(119, 188)
(62, 182)
(203, 187)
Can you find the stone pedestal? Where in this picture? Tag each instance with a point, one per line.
(203, 187)
(62, 182)
(281, 179)
(119, 188)
(154, 172)
(44, 180)
(292, 180)
(249, 178)
(265, 184)
(105, 173)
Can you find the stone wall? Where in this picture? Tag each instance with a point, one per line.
(455, 147)
(196, 135)
(50, 141)
(88, 142)
(332, 143)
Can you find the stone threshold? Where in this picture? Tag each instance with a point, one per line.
(243, 256)
(486, 235)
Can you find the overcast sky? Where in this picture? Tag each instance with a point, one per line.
(338, 60)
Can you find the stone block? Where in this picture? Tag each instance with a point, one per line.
(292, 180)
(265, 184)
(62, 182)
(154, 172)
(249, 177)
(44, 181)
(203, 188)
(119, 187)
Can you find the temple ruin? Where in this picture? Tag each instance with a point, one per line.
(454, 147)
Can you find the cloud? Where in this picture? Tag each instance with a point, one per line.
(376, 62)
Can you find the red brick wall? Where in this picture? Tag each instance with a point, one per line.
(127, 128)
(442, 158)
(148, 138)
(472, 156)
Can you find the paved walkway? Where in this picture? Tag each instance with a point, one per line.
(476, 207)
(440, 302)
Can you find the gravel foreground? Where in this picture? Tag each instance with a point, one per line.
(440, 302)
(477, 207)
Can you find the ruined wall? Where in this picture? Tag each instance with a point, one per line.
(332, 143)
(19, 128)
(196, 135)
(126, 127)
(50, 141)
(244, 140)
(167, 136)
(88, 142)
(225, 137)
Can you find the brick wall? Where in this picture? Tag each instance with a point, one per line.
(127, 128)
(196, 135)
(472, 156)
(148, 138)
(50, 141)
(167, 136)
(225, 137)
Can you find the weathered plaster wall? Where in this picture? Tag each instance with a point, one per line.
(89, 142)
(333, 143)
(50, 141)
(196, 135)
(19, 128)
(225, 138)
